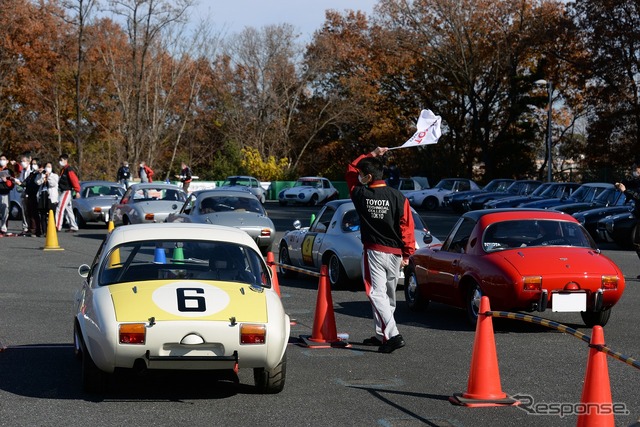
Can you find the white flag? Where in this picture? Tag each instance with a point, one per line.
(428, 130)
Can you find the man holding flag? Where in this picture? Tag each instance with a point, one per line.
(386, 230)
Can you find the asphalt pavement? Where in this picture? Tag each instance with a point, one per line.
(353, 386)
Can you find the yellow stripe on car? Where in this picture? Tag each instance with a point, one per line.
(188, 300)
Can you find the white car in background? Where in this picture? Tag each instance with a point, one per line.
(309, 190)
(432, 198)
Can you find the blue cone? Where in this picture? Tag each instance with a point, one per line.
(160, 257)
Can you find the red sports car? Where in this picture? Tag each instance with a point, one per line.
(522, 259)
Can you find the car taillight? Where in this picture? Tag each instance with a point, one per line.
(253, 334)
(532, 283)
(133, 333)
(265, 232)
(149, 217)
(610, 282)
(97, 209)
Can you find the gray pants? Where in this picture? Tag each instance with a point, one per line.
(4, 211)
(380, 272)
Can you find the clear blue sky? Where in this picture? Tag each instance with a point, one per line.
(305, 15)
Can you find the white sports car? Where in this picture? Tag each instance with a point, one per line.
(179, 296)
(310, 190)
(432, 198)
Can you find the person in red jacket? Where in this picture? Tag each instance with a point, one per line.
(388, 239)
(67, 183)
(145, 172)
(6, 185)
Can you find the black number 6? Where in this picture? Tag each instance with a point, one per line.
(184, 299)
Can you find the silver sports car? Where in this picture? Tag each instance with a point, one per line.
(240, 209)
(96, 198)
(147, 203)
(334, 239)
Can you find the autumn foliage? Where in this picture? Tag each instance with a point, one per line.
(114, 80)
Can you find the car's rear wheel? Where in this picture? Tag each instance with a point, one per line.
(125, 220)
(593, 318)
(472, 303)
(94, 380)
(77, 342)
(271, 381)
(283, 258)
(15, 211)
(430, 203)
(79, 219)
(336, 272)
(411, 291)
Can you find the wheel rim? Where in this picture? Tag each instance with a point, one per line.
(410, 289)
(476, 296)
(334, 269)
(284, 259)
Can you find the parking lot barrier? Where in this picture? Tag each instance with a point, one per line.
(483, 387)
(324, 333)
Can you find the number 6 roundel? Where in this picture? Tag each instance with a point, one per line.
(191, 299)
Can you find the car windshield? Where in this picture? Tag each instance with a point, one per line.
(446, 184)
(308, 183)
(102, 190)
(184, 260)
(608, 196)
(230, 182)
(497, 185)
(533, 233)
(230, 204)
(148, 194)
(585, 193)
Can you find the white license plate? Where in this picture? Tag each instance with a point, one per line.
(570, 302)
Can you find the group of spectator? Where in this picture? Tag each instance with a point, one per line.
(45, 190)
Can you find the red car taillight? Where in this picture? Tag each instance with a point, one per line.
(532, 283)
(253, 334)
(132, 333)
(97, 209)
(265, 232)
(149, 217)
(610, 282)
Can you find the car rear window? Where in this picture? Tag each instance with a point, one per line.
(531, 233)
(184, 260)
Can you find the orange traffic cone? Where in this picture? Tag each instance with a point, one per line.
(51, 242)
(596, 392)
(483, 388)
(324, 334)
(271, 262)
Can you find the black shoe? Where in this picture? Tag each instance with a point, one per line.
(392, 344)
(25, 234)
(373, 341)
(70, 230)
(638, 277)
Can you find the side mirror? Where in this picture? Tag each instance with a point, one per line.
(427, 238)
(84, 270)
(297, 224)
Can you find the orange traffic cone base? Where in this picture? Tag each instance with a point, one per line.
(309, 342)
(459, 399)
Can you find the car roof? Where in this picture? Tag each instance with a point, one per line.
(98, 182)
(314, 178)
(240, 192)
(155, 185)
(241, 176)
(516, 213)
(178, 230)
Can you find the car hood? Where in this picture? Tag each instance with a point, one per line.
(140, 301)
(561, 261)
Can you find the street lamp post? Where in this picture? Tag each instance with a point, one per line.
(549, 158)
